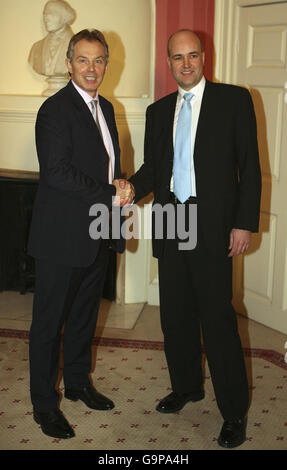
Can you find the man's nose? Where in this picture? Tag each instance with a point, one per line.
(91, 66)
(186, 61)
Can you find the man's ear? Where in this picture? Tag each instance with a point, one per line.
(168, 62)
(68, 64)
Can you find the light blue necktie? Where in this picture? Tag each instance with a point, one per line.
(182, 152)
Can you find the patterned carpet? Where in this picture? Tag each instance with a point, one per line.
(134, 375)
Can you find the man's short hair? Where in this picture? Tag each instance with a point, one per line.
(180, 31)
(90, 35)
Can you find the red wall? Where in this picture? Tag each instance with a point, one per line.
(176, 14)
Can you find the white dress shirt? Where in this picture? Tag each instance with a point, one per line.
(196, 105)
(104, 128)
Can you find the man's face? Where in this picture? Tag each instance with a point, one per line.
(52, 18)
(186, 59)
(88, 66)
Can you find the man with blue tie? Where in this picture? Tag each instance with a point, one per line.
(201, 148)
(79, 158)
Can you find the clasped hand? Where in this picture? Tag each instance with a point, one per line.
(124, 192)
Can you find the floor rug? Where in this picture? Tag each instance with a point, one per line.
(134, 375)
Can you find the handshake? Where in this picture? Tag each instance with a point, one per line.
(125, 192)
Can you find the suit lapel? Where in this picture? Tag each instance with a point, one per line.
(82, 110)
(163, 122)
(168, 121)
(110, 123)
(85, 117)
(108, 115)
(171, 110)
(204, 125)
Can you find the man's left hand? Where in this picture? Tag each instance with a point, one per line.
(239, 241)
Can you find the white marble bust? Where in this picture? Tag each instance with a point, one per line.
(47, 56)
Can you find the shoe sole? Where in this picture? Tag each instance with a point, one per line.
(72, 397)
(174, 410)
(231, 446)
(49, 434)
(75, 398)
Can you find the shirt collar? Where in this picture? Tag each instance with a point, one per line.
(86, 97)
(197, 90)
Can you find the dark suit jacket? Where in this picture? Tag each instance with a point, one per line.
(228, 179)
(73, 176)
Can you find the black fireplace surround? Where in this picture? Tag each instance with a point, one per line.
(17, 272)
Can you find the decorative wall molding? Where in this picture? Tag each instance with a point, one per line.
(6, 173)
(20, 115)
(16, 115)
(132, 118)
(250, 3)
(225, 39)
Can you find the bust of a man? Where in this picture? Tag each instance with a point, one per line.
(47, 56)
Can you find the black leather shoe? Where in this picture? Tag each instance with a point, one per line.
(233, 433)
(90, 397)
(175, 402)
(54, 424)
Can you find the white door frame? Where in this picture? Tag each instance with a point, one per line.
(226, 44)
(226, 23)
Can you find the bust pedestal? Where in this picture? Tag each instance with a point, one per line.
(55, 83)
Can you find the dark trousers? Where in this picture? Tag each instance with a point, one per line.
(71, 296)
(195, 298)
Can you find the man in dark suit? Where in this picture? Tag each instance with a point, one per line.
(214, 146)
(79, 157)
